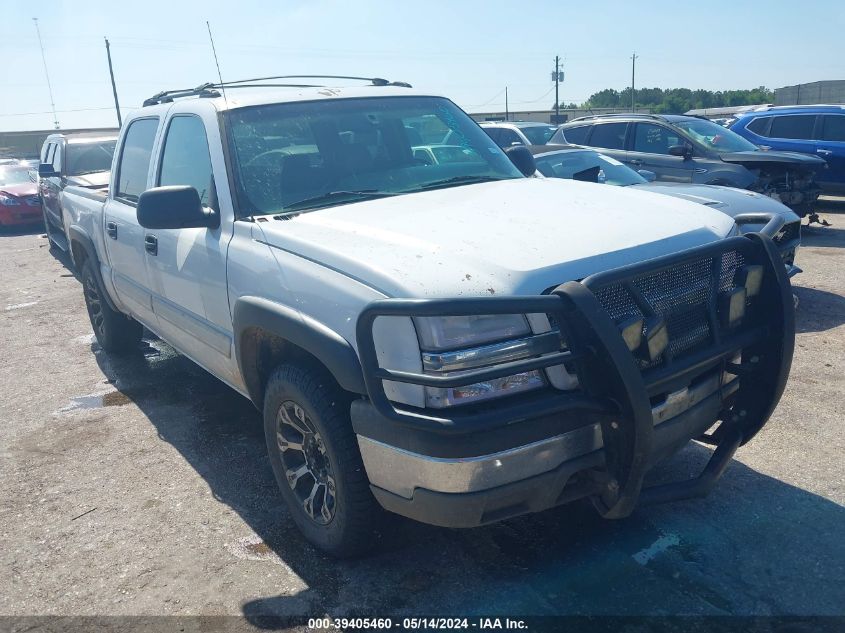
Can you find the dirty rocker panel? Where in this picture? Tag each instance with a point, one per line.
(618, 390)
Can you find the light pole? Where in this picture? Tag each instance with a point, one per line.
(633, 71)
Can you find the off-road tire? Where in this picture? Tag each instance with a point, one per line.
(116, 333)
(356, 515)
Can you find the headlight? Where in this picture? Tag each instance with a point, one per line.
(439, 336)
(441, 333)
(9, 201)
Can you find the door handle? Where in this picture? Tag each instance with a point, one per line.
(824, 152)
(636, 161)
(151, 244)
(111, 229)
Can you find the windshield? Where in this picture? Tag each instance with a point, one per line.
(588, 166)
(320, 153)
(15, 176)
(88, 158)
(714, 137)
(538, 134)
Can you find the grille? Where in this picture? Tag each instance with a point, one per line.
(681, 295)
(33, 201)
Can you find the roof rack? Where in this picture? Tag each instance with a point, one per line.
(214, 89)
(613, 115)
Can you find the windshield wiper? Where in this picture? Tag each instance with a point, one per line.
(458, 180)
(331, 196)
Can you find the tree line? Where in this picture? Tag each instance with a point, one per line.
(676, 100)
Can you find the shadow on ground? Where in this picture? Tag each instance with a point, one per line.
(818, 310)
(742, 550)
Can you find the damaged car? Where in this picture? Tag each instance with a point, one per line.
(752, 212)
(680, 148)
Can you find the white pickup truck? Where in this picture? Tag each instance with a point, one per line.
(456, 342)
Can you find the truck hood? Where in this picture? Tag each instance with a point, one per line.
(726, 199)
(95, 180)
(518, 236)
(754, 159)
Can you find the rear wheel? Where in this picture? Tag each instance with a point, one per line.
(316, 461)
(115, 332)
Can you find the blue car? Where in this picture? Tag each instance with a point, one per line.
(812, 129)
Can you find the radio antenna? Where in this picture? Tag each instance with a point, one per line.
(217, 63)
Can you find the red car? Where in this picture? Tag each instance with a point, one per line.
(19, 201)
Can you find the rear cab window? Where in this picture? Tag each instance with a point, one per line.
(134, 165)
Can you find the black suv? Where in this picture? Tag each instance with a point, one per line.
(690, 149)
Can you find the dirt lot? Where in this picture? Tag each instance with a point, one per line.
(141, 486)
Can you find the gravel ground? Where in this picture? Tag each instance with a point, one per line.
(141, 486)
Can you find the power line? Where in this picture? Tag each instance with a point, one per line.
(59, 111)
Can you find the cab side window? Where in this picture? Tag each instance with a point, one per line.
(508, 138)
(134, 164)
(186, 159)
(833, 128)
(608, 135)
(796, 126)
(760, 125)
(654, 139)
(574, 135)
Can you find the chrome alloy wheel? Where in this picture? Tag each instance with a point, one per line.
(307, 467)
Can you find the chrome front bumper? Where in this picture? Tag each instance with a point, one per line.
(401, 472)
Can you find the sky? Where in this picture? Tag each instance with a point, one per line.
(463, 49)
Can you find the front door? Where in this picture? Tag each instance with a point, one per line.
(650, 151)
(187, 267)
(831, 147)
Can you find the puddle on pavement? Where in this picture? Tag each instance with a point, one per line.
(96, 401)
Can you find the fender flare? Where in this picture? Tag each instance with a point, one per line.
(326, 345)
(80, 236)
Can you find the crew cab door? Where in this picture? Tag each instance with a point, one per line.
(830, 132)
(49, 188)
(124, 237)
(187, 267)
(650, 150)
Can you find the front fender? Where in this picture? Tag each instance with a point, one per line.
(323, 343)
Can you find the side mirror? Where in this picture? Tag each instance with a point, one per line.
(683, 150)
(174, 207)
(522, 158)
(45, 170)
(648, 175)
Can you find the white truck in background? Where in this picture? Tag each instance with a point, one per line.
(454, 342)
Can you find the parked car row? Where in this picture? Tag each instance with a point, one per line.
(427, 326)
(788, 153)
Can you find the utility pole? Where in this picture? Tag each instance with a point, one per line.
(633, 71)
(507, 114)
(113, 86)
(46, 74)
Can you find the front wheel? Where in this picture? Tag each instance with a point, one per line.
(316, 461)
(115, 332)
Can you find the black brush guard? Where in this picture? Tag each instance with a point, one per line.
(614, 390)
